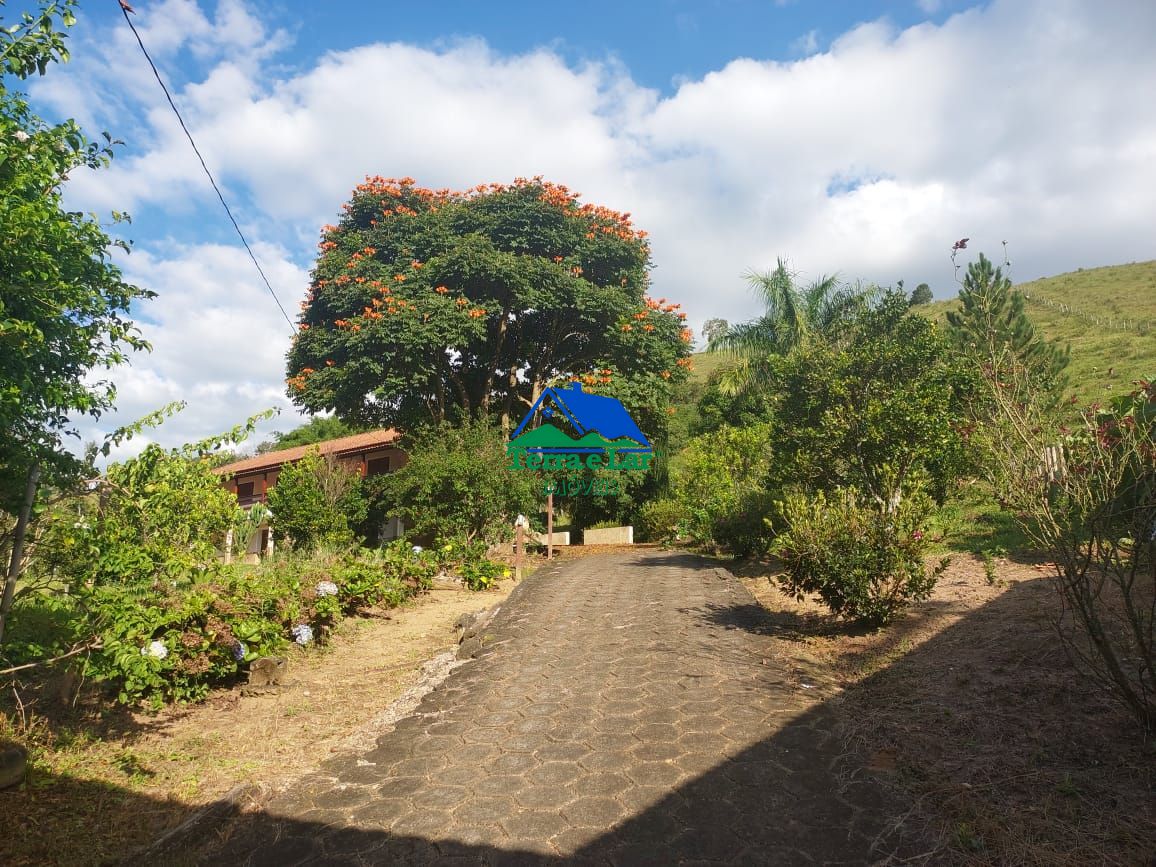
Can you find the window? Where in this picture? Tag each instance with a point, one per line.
(376, 467)
(244, 489)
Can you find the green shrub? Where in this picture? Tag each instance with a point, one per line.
(744, 528)
(660, 520)
(317, 502)
(714, 482)
(863, 564)
(455, 486)
(482, 574)
(468, 561)
(173, 641)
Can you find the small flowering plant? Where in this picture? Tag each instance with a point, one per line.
(302, 633)
(155, 649)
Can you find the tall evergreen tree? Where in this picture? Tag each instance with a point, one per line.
(991, 326)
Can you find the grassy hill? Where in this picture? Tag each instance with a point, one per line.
(1108, 317)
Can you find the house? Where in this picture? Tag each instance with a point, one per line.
(370, 454)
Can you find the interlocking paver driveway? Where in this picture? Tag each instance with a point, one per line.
(626, 710)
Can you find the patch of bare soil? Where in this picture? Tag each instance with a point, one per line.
(101, 787)
(971, 706)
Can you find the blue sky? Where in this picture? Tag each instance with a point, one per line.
(661, 43)
(857, 138)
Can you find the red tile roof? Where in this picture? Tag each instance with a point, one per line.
(357, 443)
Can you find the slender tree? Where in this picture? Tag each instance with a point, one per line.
(63, 305)
(793, 315)
(992, 327)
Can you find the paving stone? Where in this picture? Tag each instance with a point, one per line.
(534, 825)
(631, 709)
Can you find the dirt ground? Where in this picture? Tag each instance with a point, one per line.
(92, 797)
(970, 705)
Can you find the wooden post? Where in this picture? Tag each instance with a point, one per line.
(518, 553)
(550, 526)
(18, 536)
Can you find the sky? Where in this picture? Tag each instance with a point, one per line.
(856, 138)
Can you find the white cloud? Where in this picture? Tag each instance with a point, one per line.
(806, 44)
(1029, 121)
(219, 342)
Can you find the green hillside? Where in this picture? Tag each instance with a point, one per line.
(1107, 315)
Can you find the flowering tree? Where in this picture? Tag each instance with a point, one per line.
(431, 305)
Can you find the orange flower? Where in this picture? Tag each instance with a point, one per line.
(557, 258)
(666, 374)
(329, 362)
(400, 278)
(442, 290)
(627, 327)
(415, 263)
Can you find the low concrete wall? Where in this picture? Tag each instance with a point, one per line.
(609, 536)
(559, 538)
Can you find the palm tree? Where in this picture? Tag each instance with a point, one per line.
(793, 316)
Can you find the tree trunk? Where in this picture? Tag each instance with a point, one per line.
(18, 546)
(488, 386)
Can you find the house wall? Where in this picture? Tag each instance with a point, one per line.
(264, 480)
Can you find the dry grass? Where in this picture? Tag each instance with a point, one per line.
(970, 706)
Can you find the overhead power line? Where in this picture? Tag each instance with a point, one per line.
(125, 10)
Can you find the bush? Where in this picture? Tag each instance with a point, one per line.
(744, 528)
(469, 561)
(714, 481)
(1086, 496)
(316, 501)
(659, 520)
(863, 564)
(455, 486)
(176, 640)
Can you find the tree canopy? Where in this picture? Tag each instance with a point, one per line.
(432, 305)
(63, 305)
(793, 315)
(317, 430)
